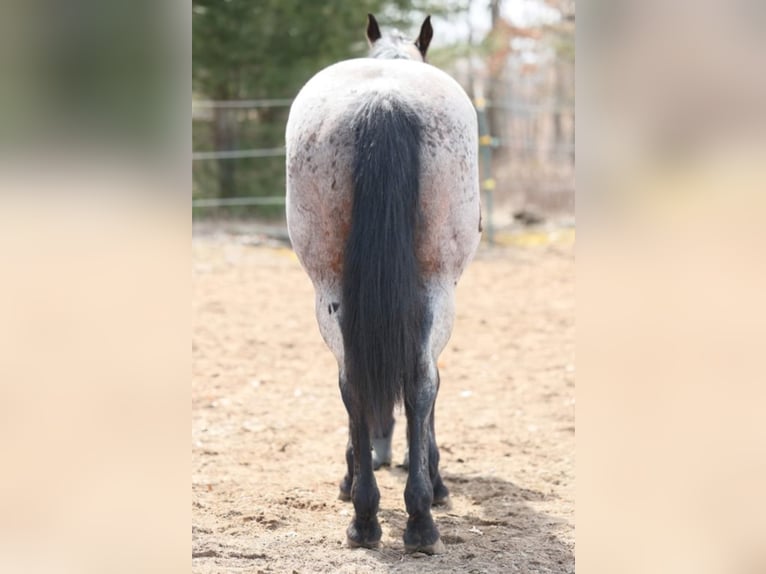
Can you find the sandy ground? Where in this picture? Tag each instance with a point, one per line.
(269, 428)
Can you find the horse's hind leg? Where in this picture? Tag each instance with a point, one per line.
(441, 494)
(348, 480)
(364, 529)
(381, 455)
(421, 534)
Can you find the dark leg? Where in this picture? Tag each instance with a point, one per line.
(364, 529)
(381, 444)
(381, 455)
(441, 494)
(421, 534)
(348, 480)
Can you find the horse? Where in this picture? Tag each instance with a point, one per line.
(383, 213)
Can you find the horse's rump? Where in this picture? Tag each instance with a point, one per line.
(320, 152)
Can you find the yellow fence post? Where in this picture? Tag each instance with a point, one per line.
(486, 143)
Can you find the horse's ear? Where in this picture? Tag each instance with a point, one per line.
(373, 31)
(424, 39)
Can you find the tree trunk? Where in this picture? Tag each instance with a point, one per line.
(494, 113)
(471, 75)
(572, 142)
(225, 138)
(557, 145)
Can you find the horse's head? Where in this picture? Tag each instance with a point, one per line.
(395, 45)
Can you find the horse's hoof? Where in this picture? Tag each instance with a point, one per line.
(366, 537)
(421, 535)
(435, 548)
(441, 495)
(343, 495)
(354, 544)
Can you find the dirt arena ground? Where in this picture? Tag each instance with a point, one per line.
(269, 428)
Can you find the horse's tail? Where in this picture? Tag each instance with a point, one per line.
(382, 313)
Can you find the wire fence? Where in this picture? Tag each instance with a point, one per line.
(528, 160)
(238, 153)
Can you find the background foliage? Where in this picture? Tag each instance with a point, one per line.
(267, 49)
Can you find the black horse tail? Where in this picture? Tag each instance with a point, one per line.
(382, 313)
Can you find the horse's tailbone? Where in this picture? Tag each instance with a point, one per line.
(382, 315)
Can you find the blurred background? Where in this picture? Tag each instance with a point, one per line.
(515, 59)
(96, 137)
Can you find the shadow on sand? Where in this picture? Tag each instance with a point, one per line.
(490, 527)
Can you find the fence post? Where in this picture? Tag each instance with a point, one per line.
(485, 149)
